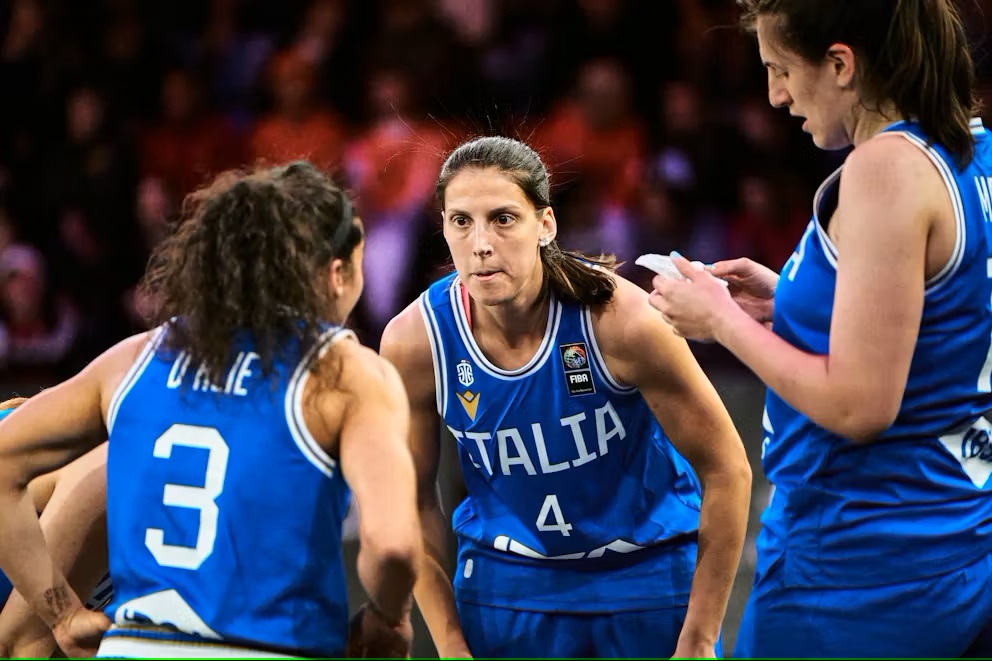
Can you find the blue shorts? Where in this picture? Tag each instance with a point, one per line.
(943, 616)
(494, 631)
(5, 589)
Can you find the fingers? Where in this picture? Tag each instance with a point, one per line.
(732, 267)
(687, 270)
(658, 302)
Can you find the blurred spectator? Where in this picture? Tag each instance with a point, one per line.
(188, 144)
(95, 167)
(392, 166)
(411, 36)
(766, 227)
(588, 222)
(128, 65)
(299, 126)
(333, 47)
(155, 208)
(37, 327)
(694, 152)
(596, 134)
(513, 58)
(232, 54)
(652, 116)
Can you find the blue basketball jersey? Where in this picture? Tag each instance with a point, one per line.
(223, 513)
(566, 470)
(915, 502)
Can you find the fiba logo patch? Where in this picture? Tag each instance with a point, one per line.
(574, 356)
(575, 364)
(465, 376)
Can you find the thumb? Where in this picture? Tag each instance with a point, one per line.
(726, 267)
(90, 624)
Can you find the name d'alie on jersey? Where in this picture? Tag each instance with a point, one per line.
(234, 382)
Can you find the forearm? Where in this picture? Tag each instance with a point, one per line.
(388, 579)
(434, 593)
(25, 558)
(722, 527)
(801, 379)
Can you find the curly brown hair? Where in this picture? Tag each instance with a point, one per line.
(250, 255)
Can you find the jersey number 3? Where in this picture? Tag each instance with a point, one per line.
(202, 498)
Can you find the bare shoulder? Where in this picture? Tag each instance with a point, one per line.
(406, 345)
(640, 349)
(890, 179)
(110, 368)
(360, 372)
(890, 161)
(619, 324)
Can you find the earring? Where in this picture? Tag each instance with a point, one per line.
(543, 242)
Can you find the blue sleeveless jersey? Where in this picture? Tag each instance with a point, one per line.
(572, 486)
(915, 502)
(224, 514)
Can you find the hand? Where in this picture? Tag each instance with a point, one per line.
(80, 631)
(370, 635)
(458, 651)
(685, 650)
(694, 305)
(751, 285)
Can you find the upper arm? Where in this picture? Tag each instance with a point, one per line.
(374, 457)
(642, 351)
(889, 197)
(63, 422)
(405, 344)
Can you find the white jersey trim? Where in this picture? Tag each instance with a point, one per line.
(952, 265)
(597, 355)
(304, 440)
(957, 255)
(537, 360)
(829, 249)
(437, 354)
(132, 376)
(122, 646)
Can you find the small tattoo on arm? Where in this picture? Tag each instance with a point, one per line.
(57, 599)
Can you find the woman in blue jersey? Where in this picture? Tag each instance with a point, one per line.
(71, 503)
(607, 487)
(238, 429)
(877, 541)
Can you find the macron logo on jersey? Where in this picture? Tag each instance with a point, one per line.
(470, 402)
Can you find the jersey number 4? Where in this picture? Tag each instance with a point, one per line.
(551, 519)
(203, 499)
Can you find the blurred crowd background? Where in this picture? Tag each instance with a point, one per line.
(651, 114)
